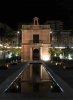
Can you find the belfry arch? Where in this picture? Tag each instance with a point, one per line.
(36, 21)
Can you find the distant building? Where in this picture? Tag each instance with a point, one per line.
(5, 32)
(62, 38)
(55, 24)
(8, 36)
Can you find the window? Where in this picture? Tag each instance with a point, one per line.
(35, 38)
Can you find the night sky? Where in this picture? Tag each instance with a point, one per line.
(23, 11)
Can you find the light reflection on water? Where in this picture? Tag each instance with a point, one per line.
(38, 81)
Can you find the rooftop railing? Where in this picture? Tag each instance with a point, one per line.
(35, 27)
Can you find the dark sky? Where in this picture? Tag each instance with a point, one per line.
(22, 11)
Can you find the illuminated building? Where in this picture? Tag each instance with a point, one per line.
(62, 38)
(36, 40)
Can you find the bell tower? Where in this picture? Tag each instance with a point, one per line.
(36, 21)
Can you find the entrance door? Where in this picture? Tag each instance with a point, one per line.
(36, 54)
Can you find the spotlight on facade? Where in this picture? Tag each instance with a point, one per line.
(45, 58)
(50, 32)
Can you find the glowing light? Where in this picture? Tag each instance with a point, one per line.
(69, 57)
(51, 87)
(8, 55)
(1, 45)
(17, 86)
(18, 32)
(60, 47)
(45, 58)
(55, 55)
(50, 31)
(61, 56)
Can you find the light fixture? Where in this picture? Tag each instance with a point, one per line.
(45, 58)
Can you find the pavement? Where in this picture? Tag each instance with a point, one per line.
(21, 96)
(5, 73)
(65, 74)
(10, 75)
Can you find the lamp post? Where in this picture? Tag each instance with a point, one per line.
(18, 32)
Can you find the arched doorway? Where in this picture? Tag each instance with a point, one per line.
(36, 54)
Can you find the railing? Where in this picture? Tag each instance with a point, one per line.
(30, 42)
(40, 42)
(35, 26)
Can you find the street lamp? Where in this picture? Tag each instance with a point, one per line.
(18, 32)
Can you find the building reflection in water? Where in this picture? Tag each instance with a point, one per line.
(35, 79)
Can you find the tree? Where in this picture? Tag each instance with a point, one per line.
(56, 51)
(67, 51)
